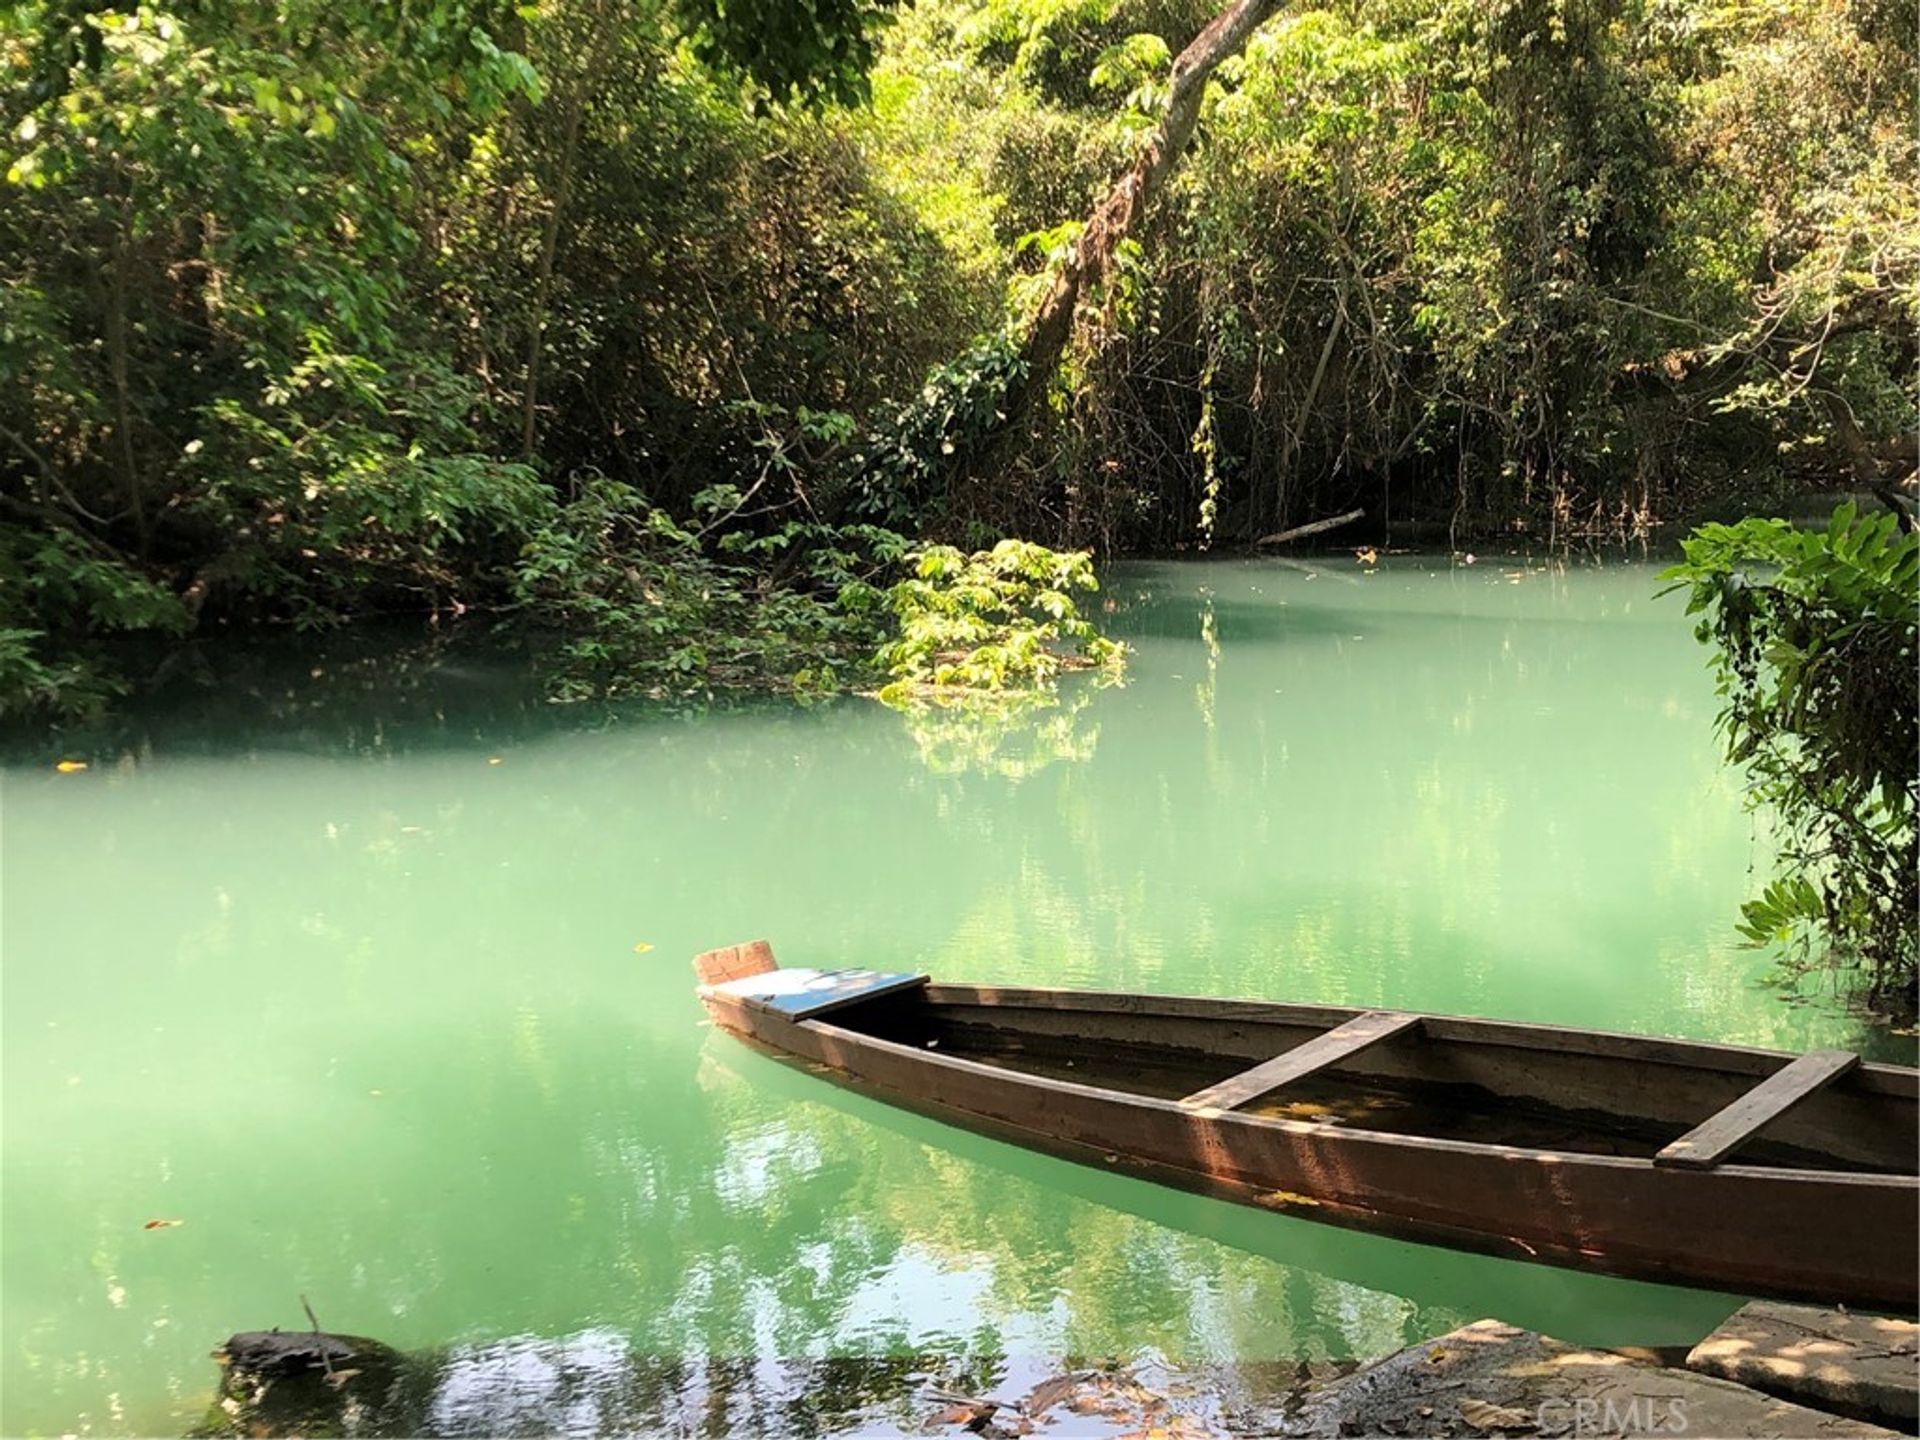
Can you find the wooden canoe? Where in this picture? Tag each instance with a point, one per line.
(1714, 1165)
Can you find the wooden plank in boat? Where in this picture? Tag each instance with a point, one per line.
(800, 994)
(1318, 1053)
(1709, 1142)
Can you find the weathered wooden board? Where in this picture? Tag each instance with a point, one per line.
(1867, 1366)
(734, 962)
(1336, 1045)
(1711, 1141)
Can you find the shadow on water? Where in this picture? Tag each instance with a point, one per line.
(375, 689)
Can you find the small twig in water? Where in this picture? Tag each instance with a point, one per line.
(320, 1340)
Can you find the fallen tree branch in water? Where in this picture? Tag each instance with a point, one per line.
(1300, 532)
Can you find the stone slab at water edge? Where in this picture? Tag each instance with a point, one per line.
(1489, 1378)
(1862, 1365)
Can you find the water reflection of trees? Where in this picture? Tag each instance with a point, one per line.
(1013, 735)
(751, 1249)
(592, 1384)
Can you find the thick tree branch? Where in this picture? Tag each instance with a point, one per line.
(1127, 203)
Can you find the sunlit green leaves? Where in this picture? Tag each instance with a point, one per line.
(807, 51)
(1816, 637)
(996, 620)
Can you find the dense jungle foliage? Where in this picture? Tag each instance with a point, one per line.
(677, 326)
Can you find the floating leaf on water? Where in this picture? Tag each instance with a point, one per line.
(162, 1224)
(70, 767)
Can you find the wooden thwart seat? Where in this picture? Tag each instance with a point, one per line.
(1339, 1043)
(1713, 1139)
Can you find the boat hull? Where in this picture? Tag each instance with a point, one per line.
(1820, 1236)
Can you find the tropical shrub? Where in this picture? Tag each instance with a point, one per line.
(1816, 638)
(646, 605)
(996, 620)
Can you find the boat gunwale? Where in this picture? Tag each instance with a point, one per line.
(1324, 1133)
(1900, 1081)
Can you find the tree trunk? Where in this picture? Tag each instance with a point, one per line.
(598, 47)
(122, 401)
(1121, 212)
(543, 278)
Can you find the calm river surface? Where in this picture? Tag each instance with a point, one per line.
(344, 967)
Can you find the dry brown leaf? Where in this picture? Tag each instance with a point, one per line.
(1049, 1393)
(1485, 1415)
(961, 1414)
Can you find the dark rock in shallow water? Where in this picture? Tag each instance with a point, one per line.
(293, 1382)
(275, 1354)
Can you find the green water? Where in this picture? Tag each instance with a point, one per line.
(296, 963)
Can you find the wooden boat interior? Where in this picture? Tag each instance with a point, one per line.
(1673, 1102)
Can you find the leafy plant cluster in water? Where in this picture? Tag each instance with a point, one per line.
(981, 624)
(1815, 644)
(650, 605)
